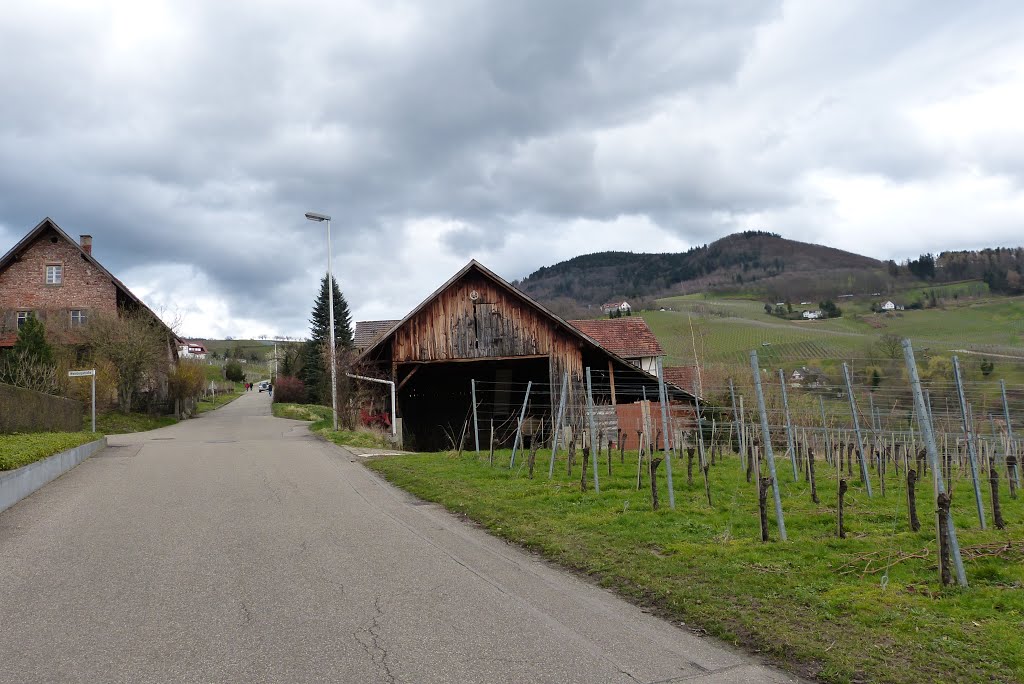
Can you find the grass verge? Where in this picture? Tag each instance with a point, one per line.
(321, 418)
(205, 405)
(21, 449)
(117, 423)
(865, 608)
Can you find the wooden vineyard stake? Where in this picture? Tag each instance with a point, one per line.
(654, 483)
(842, 495)
(583, 478)
(915, 524)
(763, 483)
(810, 475)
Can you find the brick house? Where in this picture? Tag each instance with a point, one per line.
(49, 275)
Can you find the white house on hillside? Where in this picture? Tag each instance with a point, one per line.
(813, 315)
(191, 350)
(621, 307)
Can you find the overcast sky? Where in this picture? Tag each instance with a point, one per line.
(189, 137)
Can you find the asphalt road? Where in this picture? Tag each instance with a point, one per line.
(239, 548)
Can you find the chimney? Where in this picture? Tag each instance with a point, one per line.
(86, 242)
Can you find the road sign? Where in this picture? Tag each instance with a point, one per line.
(85, 374)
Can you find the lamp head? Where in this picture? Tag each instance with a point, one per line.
(314, 216)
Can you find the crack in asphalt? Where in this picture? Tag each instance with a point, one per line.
(374, 649)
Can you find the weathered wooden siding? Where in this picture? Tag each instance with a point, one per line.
(496, 324)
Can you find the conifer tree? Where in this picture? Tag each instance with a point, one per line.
(316, 374)
(32, 342)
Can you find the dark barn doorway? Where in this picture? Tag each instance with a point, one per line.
(436, 403)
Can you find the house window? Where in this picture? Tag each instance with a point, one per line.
(23, 317)
(54, 274)
(78, 318)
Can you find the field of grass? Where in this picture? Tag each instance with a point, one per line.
(21, 449)
(868, 608)
(725, 330)
(322, 422)
(211, 403)
(116, 423)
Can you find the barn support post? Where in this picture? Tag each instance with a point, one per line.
(969, 436)
(519, 428)
(856, 428)
(663, 395)
(767, 439)
(476, 424)
(1010, 445)
(593, 431)
(611, 379)
(789, 426)
(558, 424)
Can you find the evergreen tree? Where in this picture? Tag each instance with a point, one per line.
(31, 344)
(316, 374)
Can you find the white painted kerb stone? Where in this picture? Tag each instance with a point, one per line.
(15, 485)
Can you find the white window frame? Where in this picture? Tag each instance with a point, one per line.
(83, 317)
(22, 318)
(57, 271)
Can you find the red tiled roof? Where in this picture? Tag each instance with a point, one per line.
(683, 377)
(7, 341)
(628, 337)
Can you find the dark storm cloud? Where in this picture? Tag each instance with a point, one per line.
(194, 136)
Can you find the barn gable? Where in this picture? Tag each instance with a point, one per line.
(477, 331)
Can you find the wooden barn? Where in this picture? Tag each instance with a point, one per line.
(478, 332)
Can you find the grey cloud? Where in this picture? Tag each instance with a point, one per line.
(205, 142)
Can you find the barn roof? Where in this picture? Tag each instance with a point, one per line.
(367, 332)
(630, 337)
(476, 266)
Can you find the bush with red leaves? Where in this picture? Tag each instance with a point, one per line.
(289, 390)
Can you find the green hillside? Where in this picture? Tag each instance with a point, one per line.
(725, 330)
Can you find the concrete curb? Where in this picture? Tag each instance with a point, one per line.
(15, 485)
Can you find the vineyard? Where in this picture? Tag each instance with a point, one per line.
(856, 533)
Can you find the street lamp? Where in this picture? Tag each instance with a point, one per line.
(319, 218)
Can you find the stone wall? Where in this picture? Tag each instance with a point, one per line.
(23, 410)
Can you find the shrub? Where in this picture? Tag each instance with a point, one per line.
(187, 381)
(289, 390)
(233, 371)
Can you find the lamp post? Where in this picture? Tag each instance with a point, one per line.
(313, 216)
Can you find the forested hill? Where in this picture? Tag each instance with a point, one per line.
(753, 260)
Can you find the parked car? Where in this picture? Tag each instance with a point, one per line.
(264, 386)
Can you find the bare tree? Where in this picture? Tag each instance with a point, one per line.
(135, 345)
(891, 346)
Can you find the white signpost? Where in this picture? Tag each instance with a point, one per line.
(85, 374)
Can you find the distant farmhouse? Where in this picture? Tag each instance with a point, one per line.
(622, 308)
(813, 315)
(192, 349)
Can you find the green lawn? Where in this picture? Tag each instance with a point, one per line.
(21, 449)
(212, 403)
(867, 608)
(322, 422)
(116, 423)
